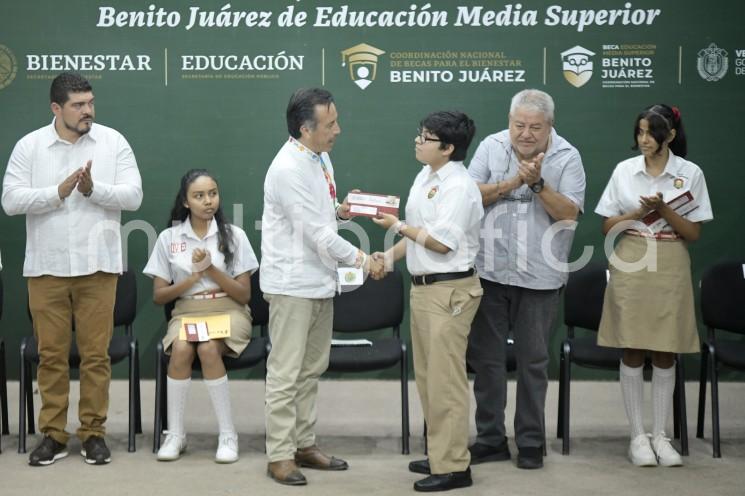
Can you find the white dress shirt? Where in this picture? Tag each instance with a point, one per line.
(300, 244)
(171, 256)
(447, 204)
(76, 236)
(630, 180)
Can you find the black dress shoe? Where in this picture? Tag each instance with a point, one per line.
(444, 482)
(420, 467)
(530, 458)
(481, 453)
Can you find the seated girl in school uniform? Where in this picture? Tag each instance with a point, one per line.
(205, 264)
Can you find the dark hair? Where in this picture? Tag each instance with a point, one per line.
(452, 128)
(662, 119)
(180, 213)
(302, 108)
(66, 83)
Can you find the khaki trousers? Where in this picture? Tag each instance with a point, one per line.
(54, 302)
(441, 315)
(300, 332)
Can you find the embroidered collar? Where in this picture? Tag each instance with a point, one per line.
(304, 149)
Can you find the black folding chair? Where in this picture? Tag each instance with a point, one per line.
(255, 353)
(583, 307)
(722, 307)
(373, 306)
(122, 346)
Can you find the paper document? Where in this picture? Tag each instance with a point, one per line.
(351, 342)
(371, 204)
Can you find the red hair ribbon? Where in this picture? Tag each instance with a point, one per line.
(676, 113)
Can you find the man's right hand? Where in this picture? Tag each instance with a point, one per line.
(376, 268)
(386, 258)
(68, 185)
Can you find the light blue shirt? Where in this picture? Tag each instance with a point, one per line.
(521, 245)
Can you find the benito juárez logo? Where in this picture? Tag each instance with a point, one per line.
(8, 66)
(363, 63)
(577, 65)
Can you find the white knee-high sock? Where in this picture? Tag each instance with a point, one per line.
(632, 384)
(663, 385)
(220, 395)
(178, 391)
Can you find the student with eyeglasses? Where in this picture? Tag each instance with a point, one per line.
(440, 239)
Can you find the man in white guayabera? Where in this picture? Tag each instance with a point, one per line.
(72, 178)
(300, 250)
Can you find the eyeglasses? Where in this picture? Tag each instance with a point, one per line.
(421, 137)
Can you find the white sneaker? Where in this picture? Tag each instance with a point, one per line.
(640, 452)
(227, 448)
(667, 456)
(172, 447)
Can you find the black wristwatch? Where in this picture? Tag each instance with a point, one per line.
(537, 187)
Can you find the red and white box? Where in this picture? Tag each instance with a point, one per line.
(372, 204)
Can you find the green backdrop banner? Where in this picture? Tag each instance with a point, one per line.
(206, 83)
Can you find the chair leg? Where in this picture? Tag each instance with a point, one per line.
(22, 403)
(132, 398)
(702, 391)
(714, 403)
(164, 399)
(424, 433)
(545, 449)
(404, 401)
(566, 378)
(682, 416)
(138, 397)
(676, 404)
(4, 390)
(157, 426)
(560, 409)
(30, 399)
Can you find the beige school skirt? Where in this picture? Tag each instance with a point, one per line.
(240, 321)
(650, 310)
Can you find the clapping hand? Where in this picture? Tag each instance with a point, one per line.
(65, 187)
(653, 202)
(200, 260)
(85, 181)
(530, 171)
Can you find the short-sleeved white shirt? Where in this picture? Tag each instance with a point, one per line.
(447, 204)
(515, 225)
(171, 257)
(630, 180)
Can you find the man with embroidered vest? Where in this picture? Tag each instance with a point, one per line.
(533, 184)
(71, 179)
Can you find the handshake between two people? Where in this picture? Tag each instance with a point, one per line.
(377, 264)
